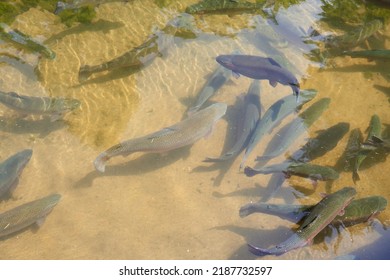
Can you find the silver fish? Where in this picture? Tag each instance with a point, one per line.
(251, 115)
(179, 135)
(11, 169)
(289, 133)
(54, 107)
(27, 214)
(273, 116)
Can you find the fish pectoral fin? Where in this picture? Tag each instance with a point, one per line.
(40, 222)
(273, 83)
(235, 74)
(341, 213)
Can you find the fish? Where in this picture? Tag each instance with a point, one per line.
(355, 37)
(260, 68)
(10, 170)
(23, 41)
(306, 170)
(178, 135)
(141, 56)
(290, 132)
(25, 215)
(375, 129)
(324, 142)
(53, 107)
(358, 211)
(61, 6)
(223, 6)
(369, 54)
(220, 76)
(273, 116)
(251, 115)
(320, 216)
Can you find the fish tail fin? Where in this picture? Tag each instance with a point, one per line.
(258, 251)
(84, 73)
(100, 162)
(250, 172)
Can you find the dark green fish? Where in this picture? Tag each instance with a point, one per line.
(33, 212)
(320, 216)
(250, 117)
(374, 129)
(216, 81)
(143, 55)
(369, 54)
(290, 132)
(10, 170)
(81, 3)
(223, 6)
(53, 107)
(324, 142)
(179, 135)
(358, 211)
(23, 41)
(354, 38)
(306, 170)
(274, 115)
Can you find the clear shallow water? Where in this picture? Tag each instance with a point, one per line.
(172, 206)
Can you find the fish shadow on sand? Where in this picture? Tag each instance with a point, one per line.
(385, 90)
(144, 164)
(257, 237)
(43, 126)
(99, 26)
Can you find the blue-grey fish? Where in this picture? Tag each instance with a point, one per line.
(179, 135)
(23, 41)
(10, 170)
(260, 68)
(33, 212)
(273, 116)
(306, 170)
(81, 3)
(56, 108)
(216, 81)
(320, 216)
(289, 133)
(250, 117)
(369, 54)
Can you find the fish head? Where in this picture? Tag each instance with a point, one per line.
(226, 61)
(307, 95)
(18, 161)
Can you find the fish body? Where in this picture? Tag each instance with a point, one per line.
(251, 115)
(306, 170)
(260, 68)
(369, 54)
(289, 133)
(54, 107)
(61, 6)
(358, 211)
(141, 56)
(27, 214)
(355, 37)
(273, 116)
(223, 6)
(179, 135)
(23, 41)
(374, 130)
(10, 170)
(220, 76)
(320, 216)
(324, 142)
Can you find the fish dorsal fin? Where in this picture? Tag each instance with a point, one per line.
(273, 62)
(308, 222)
(14, 94)
(162, 132)
(376, 139)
